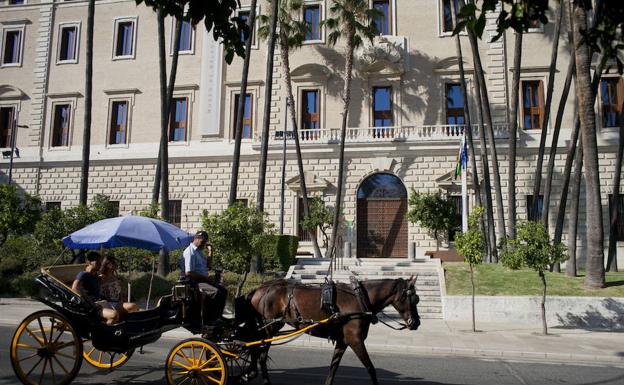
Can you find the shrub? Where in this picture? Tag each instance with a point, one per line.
(141, 282)
(18, 212)
(434, 212)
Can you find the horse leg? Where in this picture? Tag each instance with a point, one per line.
(339, 350)
(360, 351)
(264, 355)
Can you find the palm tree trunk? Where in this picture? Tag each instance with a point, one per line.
(284, 52)
(241, 105)
(553, 148)
(268, 97)
(595, 277)
(485, 106)
(86, 137)
(468, 132)
(574, 212)
(172, 77)
(164, 134)
(542, 146)
(513, 132)
(615, 203)
(346, 98)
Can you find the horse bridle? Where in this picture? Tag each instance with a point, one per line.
(410, 293)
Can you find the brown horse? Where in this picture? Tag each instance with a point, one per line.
(279, 302)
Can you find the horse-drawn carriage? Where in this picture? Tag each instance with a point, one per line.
(49, 346)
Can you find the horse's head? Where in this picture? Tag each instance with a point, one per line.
(405, 302)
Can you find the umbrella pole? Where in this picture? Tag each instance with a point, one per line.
(149, 291)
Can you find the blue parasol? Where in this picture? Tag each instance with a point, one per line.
(129, 231)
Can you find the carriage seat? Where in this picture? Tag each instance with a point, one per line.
(64, 273)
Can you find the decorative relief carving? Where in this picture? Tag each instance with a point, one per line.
(386, 55)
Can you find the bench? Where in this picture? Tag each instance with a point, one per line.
(445, 255)
(65, 274)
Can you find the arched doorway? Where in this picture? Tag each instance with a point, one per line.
(381, 217)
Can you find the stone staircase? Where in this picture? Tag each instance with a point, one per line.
(428, 282)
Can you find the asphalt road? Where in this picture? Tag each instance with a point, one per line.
(304, 366)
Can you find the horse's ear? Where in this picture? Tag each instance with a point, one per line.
(412, 280)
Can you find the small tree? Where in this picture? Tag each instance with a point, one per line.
(320, 218)
(236, 235)
(18, 213)
(435, 212)
(532, 248)
(471, 245)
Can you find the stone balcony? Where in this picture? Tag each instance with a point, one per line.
(364, 135)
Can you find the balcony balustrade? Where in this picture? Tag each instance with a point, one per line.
(428, 133)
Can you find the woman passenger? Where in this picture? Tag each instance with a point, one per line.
(111, 288)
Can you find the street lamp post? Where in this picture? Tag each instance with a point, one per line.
(13, 148)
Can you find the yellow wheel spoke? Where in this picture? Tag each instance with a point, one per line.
(61, 330)
(65, 355)
(201, 354)
(183, 380)
(207, 362)
(61, 365)
(33, 368)
(212, 369)
(26, 358)
(45, 339)
(90, 352)
(65, 345)
(26, 346)
(30, 333)
(100, 357)
(181, 373)
(45, 364)
(181, 352)
(182, 365)
(193, 352)
(212, 379)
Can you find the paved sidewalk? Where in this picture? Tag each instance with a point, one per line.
(439, 337)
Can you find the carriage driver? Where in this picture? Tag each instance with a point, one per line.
(194, 265)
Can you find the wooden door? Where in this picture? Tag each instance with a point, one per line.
(382, 228)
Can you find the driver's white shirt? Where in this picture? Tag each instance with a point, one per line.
(194, 260)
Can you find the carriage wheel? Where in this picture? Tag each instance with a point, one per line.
(46, 349)
(195, 362)
(239, 363)
(102, 359)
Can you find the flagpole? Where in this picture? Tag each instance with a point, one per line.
(464, 186)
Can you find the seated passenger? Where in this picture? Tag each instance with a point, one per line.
(194, 265)
(86, 284)
(111, 288)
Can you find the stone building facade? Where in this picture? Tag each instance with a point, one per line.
(404, 124)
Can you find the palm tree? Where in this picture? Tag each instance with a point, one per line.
(352, 21)
(268, 97)
(482, 97)
(574, 211)
(542, 146)
(615, 202)
(164, 135)
(595, 272)
(86, 138)
(172, 77)
(513, 132)
(241, 105)
(291, 35)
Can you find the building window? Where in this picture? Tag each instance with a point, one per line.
(384, 21)
(611, 99)
(312, 17)
(49, 206)
(175, 212)
(304, 235)
(12, 51)
(454, 104)
(178, 120)
(187, 34)
(310, 110)
(382, 107)
(620, 222)
(114, 206)
(16, 2)
(124, 38)
(247, 116)
(68, 40)
(7, 116)
(448, 20)
(540, 208)
(119, 122)
(60, 130)
(242, 201)
(533, 104)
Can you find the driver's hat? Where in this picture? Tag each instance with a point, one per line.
(201, 234)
